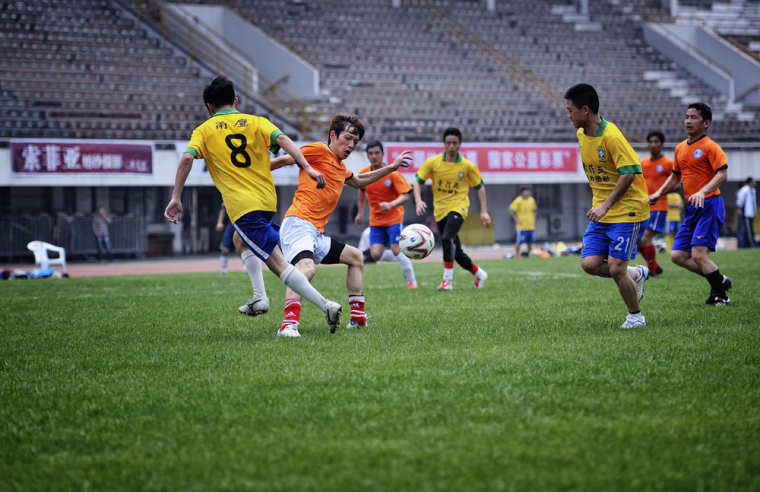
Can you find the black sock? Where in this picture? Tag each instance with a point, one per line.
(716, 281)
(637, 312)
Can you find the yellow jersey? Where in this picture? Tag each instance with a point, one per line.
(605, 157)
(236, 149)
(525, 208)
(451, 184)
(675, 204)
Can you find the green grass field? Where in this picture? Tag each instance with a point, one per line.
(157, 383)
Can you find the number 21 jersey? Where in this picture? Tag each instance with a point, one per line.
(236, 149)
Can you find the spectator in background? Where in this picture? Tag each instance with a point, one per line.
(746, 206)
(100, 221)
(523, 211)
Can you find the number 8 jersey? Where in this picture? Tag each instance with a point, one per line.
(236, 149)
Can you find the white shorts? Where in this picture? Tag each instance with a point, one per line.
(298, 235)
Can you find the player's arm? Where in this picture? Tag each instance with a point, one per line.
(698, 198)
(173, 212)
(419, 205)
(400, 200)
(361, 199)
(669, 185)
(484, 217)
(403, 160)
(294, 152)
(623, 183)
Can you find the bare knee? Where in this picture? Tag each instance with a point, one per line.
(679, 257)
(591, 265)
(353, 257)
(306, 266)
(618, 269)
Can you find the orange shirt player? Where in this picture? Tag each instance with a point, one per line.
(386, 213)
(656, 168)
(302, 237)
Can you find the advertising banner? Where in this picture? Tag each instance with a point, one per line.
(60, 157)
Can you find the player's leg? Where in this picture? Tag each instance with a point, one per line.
(518, 244)
(406, 264)
(352, 258)
(630, 280)
(448, 247)
(530, 239)
(464, 260)
(648, 250)
(259, 302)
(226, 246)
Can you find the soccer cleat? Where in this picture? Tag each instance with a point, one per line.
(353, 325)
(633, 322)
(480, 278)
(445, 285)
(289, 330)
(656, 271)
(411, 285)
(643, 276)
(254, 308)
(332, 314)
(727, 284)
(718, 299)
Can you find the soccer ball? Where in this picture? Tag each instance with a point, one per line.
(416, 241)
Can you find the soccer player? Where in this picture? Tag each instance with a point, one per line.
(619, 209)
(673, 219)
(386, 212)
(523, 211)
(452, 177)
(656, 169)
(702, 166)
(236, 149)
(302, 235)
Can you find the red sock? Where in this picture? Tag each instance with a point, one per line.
(652, 257)
(474, 269)
(292, 311)
(448, 264)
(357, 310)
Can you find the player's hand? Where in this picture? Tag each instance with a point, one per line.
(404, 159)
(698, 199)
(316, 176)
(653, 198)
(421, 207)
(485, 218)
(358, 219)
(384, 206)
(597, 213)
(219, 226)
(173, 212)
(518, 221)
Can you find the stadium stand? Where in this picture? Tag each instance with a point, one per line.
(86, 69)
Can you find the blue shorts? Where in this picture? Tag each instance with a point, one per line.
(657, 221)
(526, 237)
(386, 235)
(616, 240)
(258, 232)
(701, 226)
(227, 243)
(671, 228)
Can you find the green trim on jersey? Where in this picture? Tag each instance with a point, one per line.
(480, 185)
(633, 169)
(226, 111)
(420, 180)
(192, 151)
(443, 157)
(273, 147)
(600, 130)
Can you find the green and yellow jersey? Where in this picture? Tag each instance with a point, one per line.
(605, 157)
(525, 209)
(451, 184)
(236, 149)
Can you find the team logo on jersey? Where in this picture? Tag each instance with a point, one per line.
(602, 154)
(241, 123)
(659, 168)
(388, 183)
(697, 153)
(461, 175)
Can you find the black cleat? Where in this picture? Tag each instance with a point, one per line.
(718, 299)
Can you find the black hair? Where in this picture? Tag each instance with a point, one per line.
(452, 131)
(749, 180)
(375, 143)
(703, 109)
(523, 188)
(583, 95)
(658, 134)
(220, 92)
(344, 122)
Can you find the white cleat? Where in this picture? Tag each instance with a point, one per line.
(631, 322)
(332, 315)
(289, 331)
(254, 308)
(480, 278)
(643, 276)
(353, 325)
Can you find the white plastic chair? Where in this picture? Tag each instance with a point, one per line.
(41, 258)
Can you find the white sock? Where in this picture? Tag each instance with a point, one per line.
(223, 260)
(634, 273)
(387, 256)
(406, 268)
(252, 265)
(637, 316)
(448, 274)
(297, 281)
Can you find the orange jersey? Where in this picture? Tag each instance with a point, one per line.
(385, 189)
(313, 204)
(698, 162)
(656, 172)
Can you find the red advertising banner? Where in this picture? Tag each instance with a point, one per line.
(497, 158)
(73, 156)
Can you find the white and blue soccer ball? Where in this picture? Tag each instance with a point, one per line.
(416, 241)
